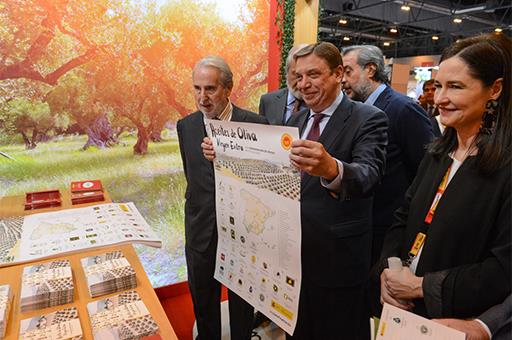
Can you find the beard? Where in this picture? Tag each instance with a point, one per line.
(295, 92)
(361, 92)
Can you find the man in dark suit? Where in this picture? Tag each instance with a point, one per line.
(427, 103)
(409, 132)
(343, 143)
(213, 82)
(278, 106)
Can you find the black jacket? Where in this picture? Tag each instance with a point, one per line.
(200, 218)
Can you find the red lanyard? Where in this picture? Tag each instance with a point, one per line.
(421, 236)
(437, 197)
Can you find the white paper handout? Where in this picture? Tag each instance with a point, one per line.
(399, 324)
(258, 216)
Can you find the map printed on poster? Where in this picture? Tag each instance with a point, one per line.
(258, 217)
(43, 235)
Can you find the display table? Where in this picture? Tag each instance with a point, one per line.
(14, 206)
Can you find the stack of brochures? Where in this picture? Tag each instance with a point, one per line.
(123, 317)
(45, 285)
(108, 273)
(5, 306)
(60, 325)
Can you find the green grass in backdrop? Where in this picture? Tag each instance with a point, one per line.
(154, 182)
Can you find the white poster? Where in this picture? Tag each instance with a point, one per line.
(399, 324)
(258, 216)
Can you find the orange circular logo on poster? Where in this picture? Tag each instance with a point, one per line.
(286, 141)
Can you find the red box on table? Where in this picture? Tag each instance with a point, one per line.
(86, 192)
(81, 186)
(42, 199)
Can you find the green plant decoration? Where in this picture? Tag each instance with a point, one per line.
(285, 20)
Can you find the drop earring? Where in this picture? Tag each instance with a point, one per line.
(489, 118)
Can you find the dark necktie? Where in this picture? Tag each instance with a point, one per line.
(314, 133)
(297, 104)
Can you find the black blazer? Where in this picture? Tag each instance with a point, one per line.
(408, 134)
(466, 259)
(200, 220)
(336, 235)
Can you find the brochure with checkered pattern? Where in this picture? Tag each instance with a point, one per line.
(121, 317)
(5, 307)
(108, 273)
(45, 285)
(63, 324)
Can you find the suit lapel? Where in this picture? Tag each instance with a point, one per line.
(280, 103)
(299, 120)
(336, 124)
(197, 135)
(239, 115)
(383, 99)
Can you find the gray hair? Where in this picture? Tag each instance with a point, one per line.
(292, 53)
(226, 76)
(369, 54)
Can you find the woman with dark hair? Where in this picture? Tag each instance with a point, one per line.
(453, 232)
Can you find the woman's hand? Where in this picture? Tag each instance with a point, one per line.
(402, 284)
(208, 151)
(387, 297)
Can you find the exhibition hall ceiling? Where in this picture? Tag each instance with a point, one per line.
(403, 28)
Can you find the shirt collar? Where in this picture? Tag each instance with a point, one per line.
(290, 98)
(227, 112)
(225, 115)
(330, 110)
(375, 94)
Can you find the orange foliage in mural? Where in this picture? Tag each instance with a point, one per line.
(114, 64)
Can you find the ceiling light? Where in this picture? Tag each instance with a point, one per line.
(393, 30)
(457, 20)
(343, 21)
(435, 37)
(346, 38)
(386, 43)
(498, 30)
(405, 7)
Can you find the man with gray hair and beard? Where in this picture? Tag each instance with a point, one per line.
(409, 132)
(278, 106)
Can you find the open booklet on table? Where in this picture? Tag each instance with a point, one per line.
(43, 235)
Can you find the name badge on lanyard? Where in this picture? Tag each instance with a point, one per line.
(419, 241)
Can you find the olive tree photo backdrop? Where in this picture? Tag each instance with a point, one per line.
(93, 90)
